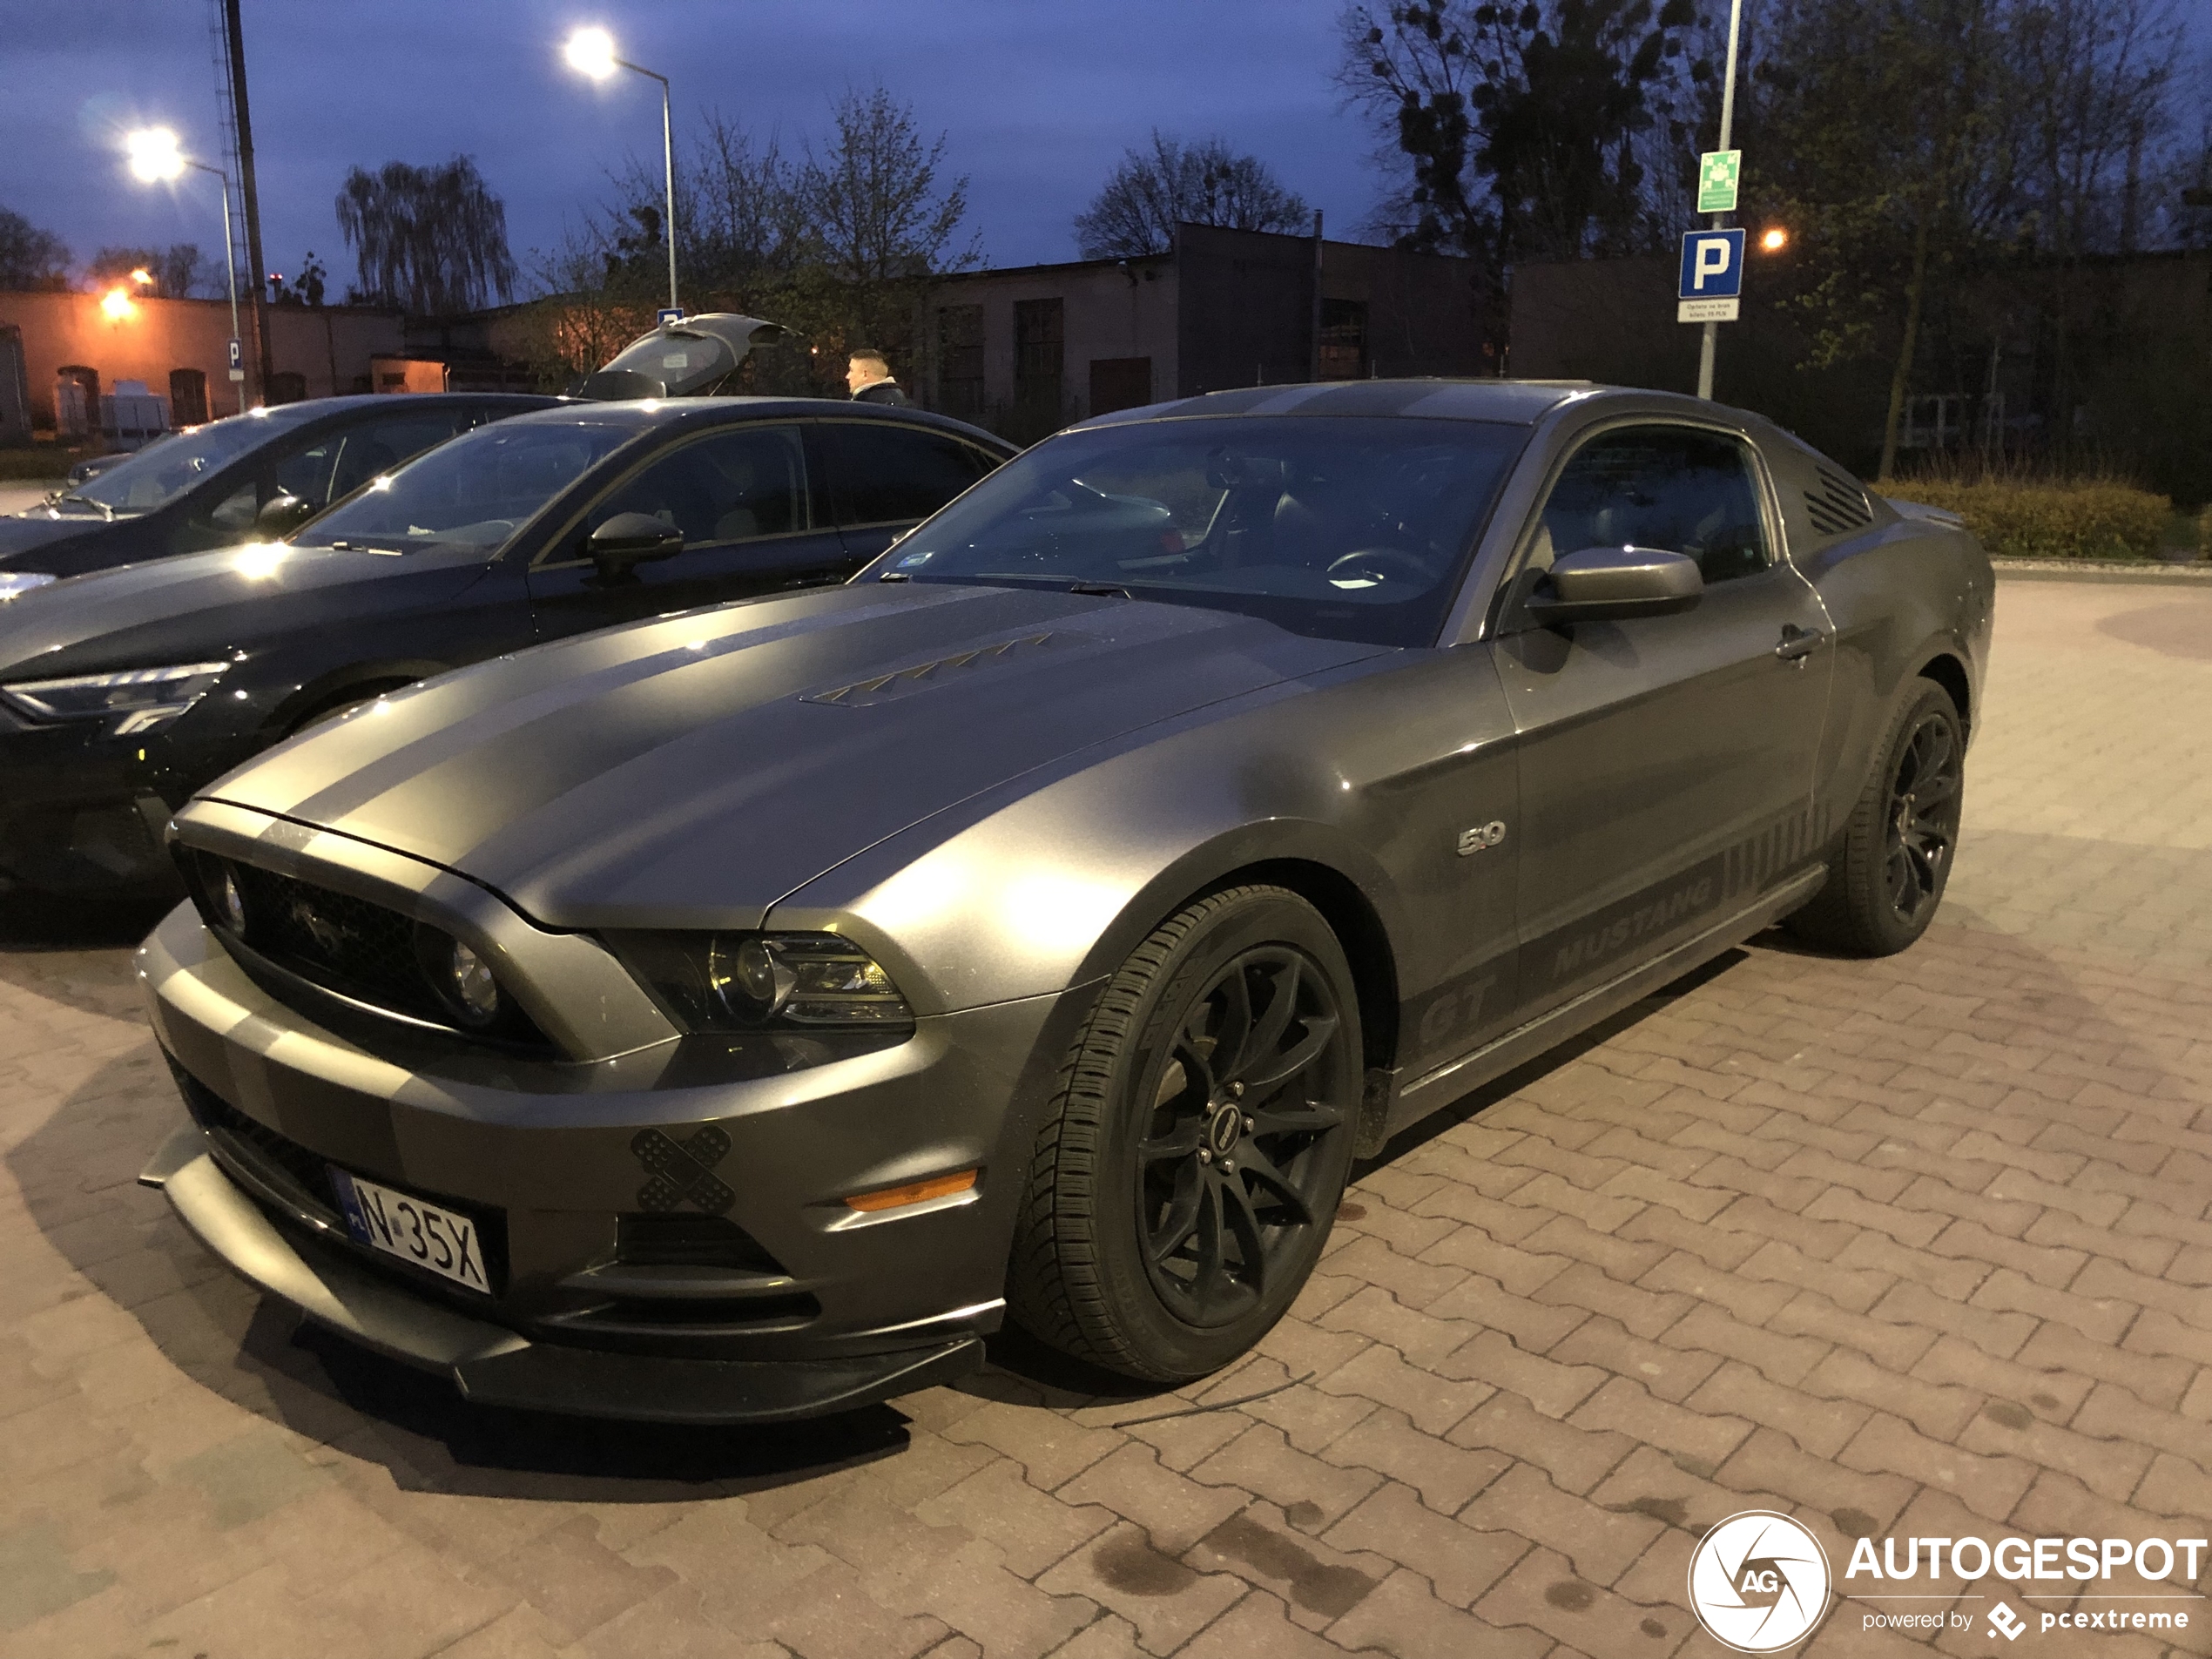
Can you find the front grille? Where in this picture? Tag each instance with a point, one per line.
(299, 1179)
(353, 948)
(1838, 505)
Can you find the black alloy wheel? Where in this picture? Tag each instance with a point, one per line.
(1923, 817)
(1233, 1172)
(1887, 874)
(1188, 1166)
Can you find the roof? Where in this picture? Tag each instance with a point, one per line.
(1519, 402)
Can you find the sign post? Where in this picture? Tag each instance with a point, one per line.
(1717, 170)
(237, 359)
(666, 315)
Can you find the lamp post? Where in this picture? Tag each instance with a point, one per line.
(156, 159)
(591, 53)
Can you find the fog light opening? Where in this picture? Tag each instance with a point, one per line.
(936, 1186)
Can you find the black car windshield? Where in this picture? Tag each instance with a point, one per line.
(163, 471)
(475, 491)
(1337, 527)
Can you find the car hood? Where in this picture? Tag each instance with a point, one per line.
(690, 770)
(136, 614)
(22, 534)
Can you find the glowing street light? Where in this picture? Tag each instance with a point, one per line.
(1774, 241)
(155, 158)
(590, 52)
(115, 306)
(143, 277)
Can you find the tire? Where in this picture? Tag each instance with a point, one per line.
(1888, 872)
(1174, 1206)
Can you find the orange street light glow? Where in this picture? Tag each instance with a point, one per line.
(143, 277)
(116, 305)
(1774, 240)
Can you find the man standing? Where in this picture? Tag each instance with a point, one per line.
(868, 375)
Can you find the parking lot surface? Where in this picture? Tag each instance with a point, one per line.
(1909, 1247)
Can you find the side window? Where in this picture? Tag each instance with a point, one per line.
(733, 487)
(305, 473)
(236, 510)
(1679, 488)
(380, 445)
(894, 474)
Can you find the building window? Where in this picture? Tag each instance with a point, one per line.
(960, 361)
(187, 397)
(287, 385)
(1038, 336)
(1344, 339)
(1120, 383)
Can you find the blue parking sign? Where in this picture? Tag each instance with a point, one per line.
(1712, 265)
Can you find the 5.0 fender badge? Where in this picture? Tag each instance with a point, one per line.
(1482, 837)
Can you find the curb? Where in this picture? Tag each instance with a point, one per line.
(2195, 575)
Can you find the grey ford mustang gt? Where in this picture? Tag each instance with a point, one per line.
(736, 1015)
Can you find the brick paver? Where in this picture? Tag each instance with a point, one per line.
(1915, 1246)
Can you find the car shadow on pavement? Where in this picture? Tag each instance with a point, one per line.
(33, 923)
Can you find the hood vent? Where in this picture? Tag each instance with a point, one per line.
(920, 676)
(1838, 505)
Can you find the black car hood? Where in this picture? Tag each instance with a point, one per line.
(690, 770)
(23, 536)
(141, 616)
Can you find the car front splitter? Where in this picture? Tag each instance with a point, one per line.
(493, 1365)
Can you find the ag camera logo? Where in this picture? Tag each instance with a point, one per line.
(1760, 1582)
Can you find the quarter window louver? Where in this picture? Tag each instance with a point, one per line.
(1836, 506)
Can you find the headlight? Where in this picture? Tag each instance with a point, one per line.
(13, 583)
(764, 982)
(143, 697)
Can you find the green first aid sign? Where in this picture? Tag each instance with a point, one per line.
(1717, 173)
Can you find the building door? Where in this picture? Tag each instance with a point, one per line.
(1039, 368)
(1120, 383)
(187, 397)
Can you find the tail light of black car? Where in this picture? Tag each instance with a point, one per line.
(751, 982)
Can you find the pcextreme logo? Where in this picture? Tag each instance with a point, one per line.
(1760, 1582)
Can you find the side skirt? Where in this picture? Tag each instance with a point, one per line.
(1447, 1083)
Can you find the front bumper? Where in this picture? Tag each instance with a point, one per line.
(847, 1307)
(80, 812)
(492, 1366)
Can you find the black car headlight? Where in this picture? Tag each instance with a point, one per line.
(764, 982)
(137, 699)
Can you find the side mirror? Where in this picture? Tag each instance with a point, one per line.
(280, 516)
(1613, 583)
(630, 539)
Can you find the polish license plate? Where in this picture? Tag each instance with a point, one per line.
(402, 1226)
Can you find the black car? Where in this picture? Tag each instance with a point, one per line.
(123, 691)
(261, 473)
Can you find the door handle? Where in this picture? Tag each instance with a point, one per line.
(1798, 642)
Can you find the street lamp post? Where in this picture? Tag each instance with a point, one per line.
(592, 52)
(1711, 341)
(155, 159)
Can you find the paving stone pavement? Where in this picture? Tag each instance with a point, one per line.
(1917, 1247)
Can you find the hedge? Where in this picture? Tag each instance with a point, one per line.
(2050, 521)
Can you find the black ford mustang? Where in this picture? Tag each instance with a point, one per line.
(738, 1015)
(123, 690)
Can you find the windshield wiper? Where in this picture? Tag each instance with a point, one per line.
(1099, 589)
(106, 511)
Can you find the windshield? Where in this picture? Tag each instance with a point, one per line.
(161, 472)
(475, 491)
(1339, 528)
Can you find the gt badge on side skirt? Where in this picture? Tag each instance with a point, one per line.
(1482, 837)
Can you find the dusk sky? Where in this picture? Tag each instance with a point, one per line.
(1037, 101)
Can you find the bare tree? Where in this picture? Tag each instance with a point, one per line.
(874, 202)
(30, 258)
(1148, 193)
(175, 270)
(431, 240)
